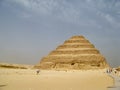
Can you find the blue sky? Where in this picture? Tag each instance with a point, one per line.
(30, 29)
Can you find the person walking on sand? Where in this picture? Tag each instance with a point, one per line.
(109, 70)
(38, 71)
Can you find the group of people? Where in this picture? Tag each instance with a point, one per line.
(111, 70)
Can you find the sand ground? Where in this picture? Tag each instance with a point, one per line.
(26, 79)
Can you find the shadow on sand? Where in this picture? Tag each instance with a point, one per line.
(3, 85)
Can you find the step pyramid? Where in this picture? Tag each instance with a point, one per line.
(75, 53)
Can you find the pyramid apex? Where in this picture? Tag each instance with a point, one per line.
(77, 36)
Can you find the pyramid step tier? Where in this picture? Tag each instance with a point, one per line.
(77, 37)
(75, 46)
(92, 51)
(76, 41)
(74, 49)
(85, 58)
(81, 59)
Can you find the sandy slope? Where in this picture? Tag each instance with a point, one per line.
(26, 79)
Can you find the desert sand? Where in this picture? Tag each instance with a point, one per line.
(27, 79)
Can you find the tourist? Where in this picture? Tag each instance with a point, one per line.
(37, 72)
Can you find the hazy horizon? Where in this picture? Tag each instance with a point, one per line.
(30, 29)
